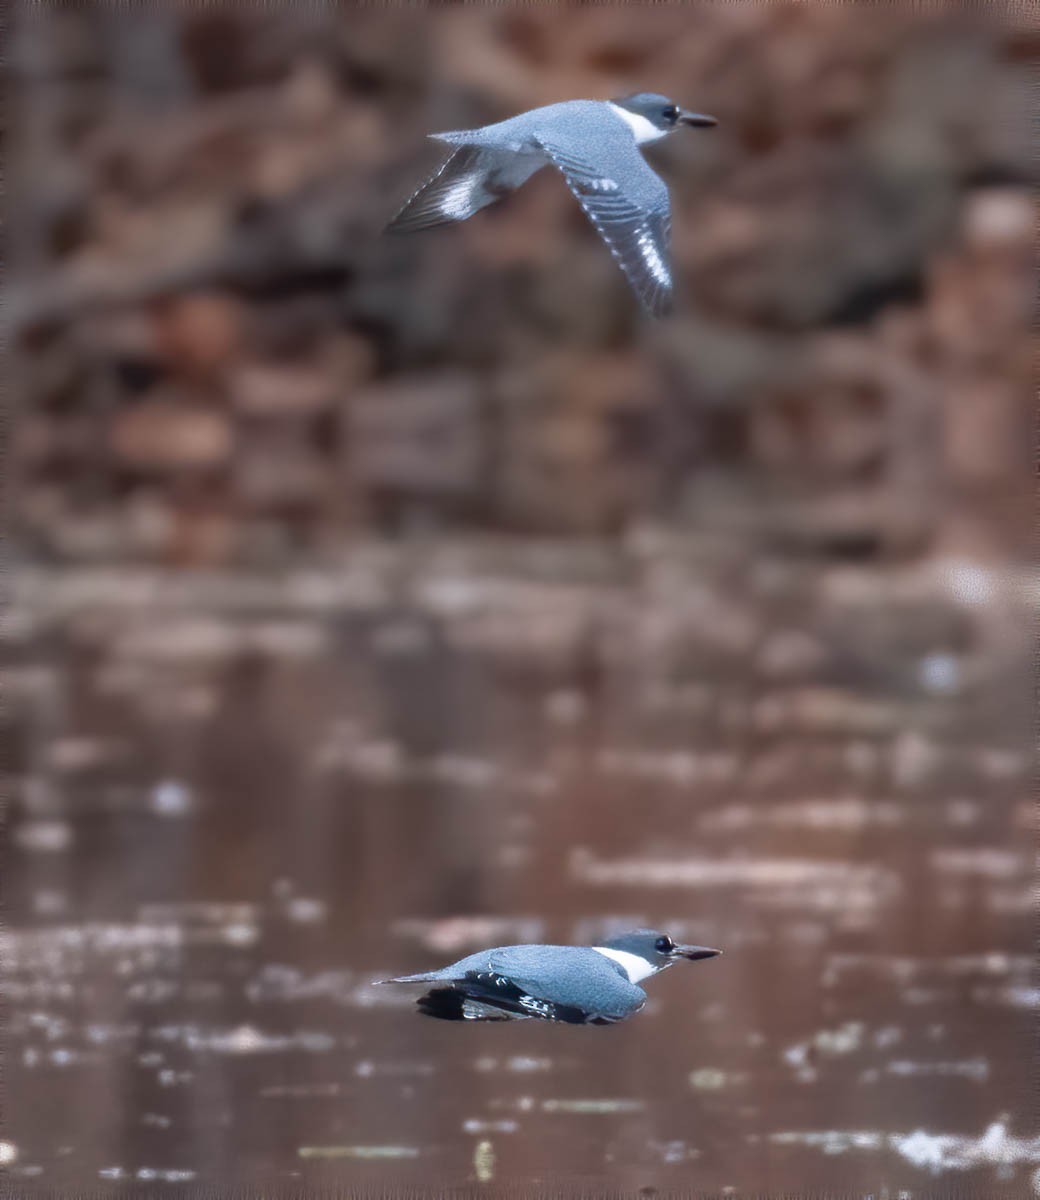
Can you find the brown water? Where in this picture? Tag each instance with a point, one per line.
(236, 802)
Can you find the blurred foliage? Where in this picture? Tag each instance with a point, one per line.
(218, 359)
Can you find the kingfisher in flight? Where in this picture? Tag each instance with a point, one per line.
(595, 145)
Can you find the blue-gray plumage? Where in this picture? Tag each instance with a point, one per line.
(594, 143)
(576, 984)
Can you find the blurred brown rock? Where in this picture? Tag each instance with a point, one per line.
(275, 470)
(984, 432)
(269, 389)
(575, 433)
(165, 434)
(420, 436)
(201, 537)
(198, 335)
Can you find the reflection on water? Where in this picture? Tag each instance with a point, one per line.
(237, 803)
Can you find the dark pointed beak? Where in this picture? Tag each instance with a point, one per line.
(701, 120)
(693, 953)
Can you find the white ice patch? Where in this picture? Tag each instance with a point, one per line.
(642, 129)
(652, 258)
(935, 1152)
(634, 965)
(942, 1152)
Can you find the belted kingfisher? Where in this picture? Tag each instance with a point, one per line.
(594, 143)
(581, 985)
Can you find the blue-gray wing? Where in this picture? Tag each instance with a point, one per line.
(570, 976)
(627, 203)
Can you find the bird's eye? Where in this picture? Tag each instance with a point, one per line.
(664, 945)
(670, 113)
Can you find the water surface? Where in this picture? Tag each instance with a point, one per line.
(238, 801)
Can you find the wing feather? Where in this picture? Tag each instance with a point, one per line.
(587, 982)
(457, 190)
(628, 205)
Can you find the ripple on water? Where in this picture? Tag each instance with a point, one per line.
(43, 836)
(244, 1039)
(477, 1125)
(148, 1174)
(970, 1068)
(370, 1152)
(594, 1105)
(776, 882)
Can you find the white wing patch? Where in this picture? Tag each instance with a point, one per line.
(656, 264)
(456, 201)
(538, 1008)
(632, 217)
(474, 1010)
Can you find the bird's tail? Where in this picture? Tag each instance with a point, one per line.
(425, 977)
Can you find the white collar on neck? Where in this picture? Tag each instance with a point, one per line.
(634, 965)
(642, 129)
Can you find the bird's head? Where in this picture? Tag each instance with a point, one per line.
(656, 948)
(662, 114)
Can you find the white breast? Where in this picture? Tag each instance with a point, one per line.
(642, 129)
(634, 965)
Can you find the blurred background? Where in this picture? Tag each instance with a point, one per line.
(375, 600)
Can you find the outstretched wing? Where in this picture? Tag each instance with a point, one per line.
(568, 978)
(472, 178)
(628, 205)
